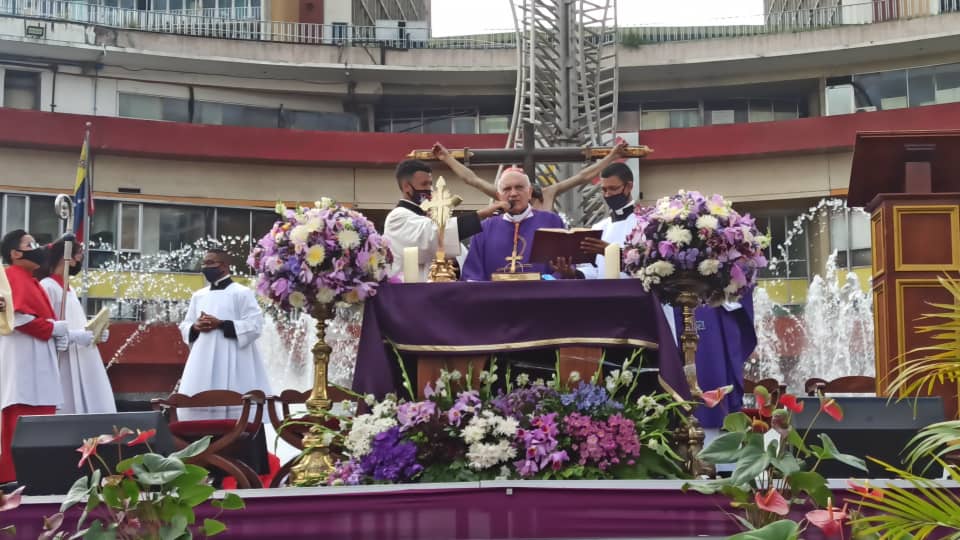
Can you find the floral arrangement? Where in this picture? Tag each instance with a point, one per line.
(147, 496)
(320, 255)
(773, 477)
(690, 233)
(596, 429)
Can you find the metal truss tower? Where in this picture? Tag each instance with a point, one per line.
(567, 86)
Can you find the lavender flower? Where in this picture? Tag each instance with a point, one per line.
(588, 397)
(390, 459)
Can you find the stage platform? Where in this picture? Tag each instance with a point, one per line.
(496, 510)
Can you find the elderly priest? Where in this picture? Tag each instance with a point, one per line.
(506, 240)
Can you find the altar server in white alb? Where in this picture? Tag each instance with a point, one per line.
(616, 185)
(221, 327)
(86, 388)
(408, 225)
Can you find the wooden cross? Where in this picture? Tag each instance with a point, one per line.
(529, 155)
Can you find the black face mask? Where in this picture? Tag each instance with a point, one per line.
(618, 201)
(212, 274)
(75, 269)
(420, 195)
(36, 256)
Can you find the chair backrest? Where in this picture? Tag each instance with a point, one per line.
(853, 384)
(212, 398)
(814, 386)
(293, 434)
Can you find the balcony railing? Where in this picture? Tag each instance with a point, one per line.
(248, 24)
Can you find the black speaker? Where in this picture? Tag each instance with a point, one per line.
(45, 447)
(871, 427)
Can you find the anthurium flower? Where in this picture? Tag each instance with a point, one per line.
(712, 398)
(11, 501)
(762, 397)
(772, 501)
(88, 449)
(865, 489)
(142, 437)
(832, 408)
(759, 426)
(829, 520)
(790, 402)
(118, 435)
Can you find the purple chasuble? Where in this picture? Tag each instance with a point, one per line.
(490, 248)
(727, 339)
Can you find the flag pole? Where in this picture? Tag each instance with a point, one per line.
(85, 265)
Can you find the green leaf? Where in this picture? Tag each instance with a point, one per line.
(796, 441)
(723, 449)
(787, 465)
(194, 449)
(751, 463)
(192, 476)
(230, 501)
(194, 495)
(706, 487)
(78, 492)
(737, 422)
(157, 470)
(175, 529)
(784, 529)
(9, 530)
(811, 483)
(127, 464)
(131, 489)
(98, 532)
(213, 527)
(111, 496)
(831, 451)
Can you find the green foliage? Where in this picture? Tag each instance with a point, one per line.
(784, 529)
(147, 496)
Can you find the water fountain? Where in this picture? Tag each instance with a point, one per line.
(833, 336)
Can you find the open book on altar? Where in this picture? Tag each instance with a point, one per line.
(548, 244)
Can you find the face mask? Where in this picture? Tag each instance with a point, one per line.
(36, 256)
(618, 201)
(212, 274)
(75, 269)
(420, 195)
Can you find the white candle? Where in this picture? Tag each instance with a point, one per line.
(611, 262)
(411, 264)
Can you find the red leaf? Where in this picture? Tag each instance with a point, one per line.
(88, 449)
(712, 398)
(772, 502)
(790, 402)
(142, 437)
(832, 408)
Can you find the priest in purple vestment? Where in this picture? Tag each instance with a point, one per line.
(491, 249)
(727, 339)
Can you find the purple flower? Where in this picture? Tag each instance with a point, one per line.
(589, 397)
(390, 459)
(410, 414)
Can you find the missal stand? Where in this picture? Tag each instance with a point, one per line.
(910, 183)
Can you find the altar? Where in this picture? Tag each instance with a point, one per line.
(487, 318)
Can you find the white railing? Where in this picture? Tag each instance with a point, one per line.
(248, 24)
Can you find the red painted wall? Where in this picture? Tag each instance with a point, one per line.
(311, 11)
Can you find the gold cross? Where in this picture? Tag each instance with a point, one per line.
(441, 204)
(513, 260)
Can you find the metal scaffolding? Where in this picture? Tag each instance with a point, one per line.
(567, 86)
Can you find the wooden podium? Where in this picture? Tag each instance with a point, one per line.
(910, 184)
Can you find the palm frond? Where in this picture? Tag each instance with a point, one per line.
(934, 440)
(919, 511)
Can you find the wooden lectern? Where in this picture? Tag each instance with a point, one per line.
(910, 183)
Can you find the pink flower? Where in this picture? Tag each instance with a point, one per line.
(772, 501)
(712, 398)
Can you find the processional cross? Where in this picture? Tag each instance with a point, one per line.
(440, 208)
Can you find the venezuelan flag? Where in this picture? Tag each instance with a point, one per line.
(82, 198)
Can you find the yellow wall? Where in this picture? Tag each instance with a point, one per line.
(793, 291)
(284, 10)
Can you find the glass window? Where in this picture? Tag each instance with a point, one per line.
(850, 238)
(154, 108)
(21, 89)
(761, 110)
(725, 112)
(437, 124)
(407, 125)
(233, 232)
(785, 110)
(318, 121)
(840, 100)
(490, 124)
(382, 125)
(225, 114)
(948, 83)
(887, 90)
(793, 263)
(262, 223)
(168, 229)
(44, 222)
(14, 213)
(922, 87)
(628, 120)
(465, 124)
(129, 227)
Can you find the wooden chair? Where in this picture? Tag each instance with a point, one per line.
(293, 434)
(774, 388)
(230, 437)
(853, 384)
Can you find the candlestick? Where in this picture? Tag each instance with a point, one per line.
(611, 262)
(411, 264)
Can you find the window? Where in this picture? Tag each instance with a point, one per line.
(948, 82)
(725, 112)
(233, 233)
(321, 121)
(339, 32)
(225, 114)
(131, 220)
(669, 118)
(154, 108)
(14, 212)
(793, 262)
(169, 229)
(34, 213)
(494, 124)
(21, 89)
(887, 90)
(465, 124)
(850, 238)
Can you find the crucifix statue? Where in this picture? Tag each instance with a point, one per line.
(440, 207)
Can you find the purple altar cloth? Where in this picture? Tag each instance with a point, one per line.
(490, 317)
(584, 509)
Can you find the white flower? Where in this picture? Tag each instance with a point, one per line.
(325, 295)
(679, 235)
(475, 431)
(348, 239)
(299, 234)
(763, 241)
(484, 375)
(369, 399)
(384, 409)
(707, 222)
(327, 438)
(660, 268)
(506, 427)
(455, 375)
(574, 376)
(504, 473)
(365, 427)
(747, 234)
(483, 455)
(297, 299)
(523, 379)
(708, 267)
(722, 210)
(626, 376)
